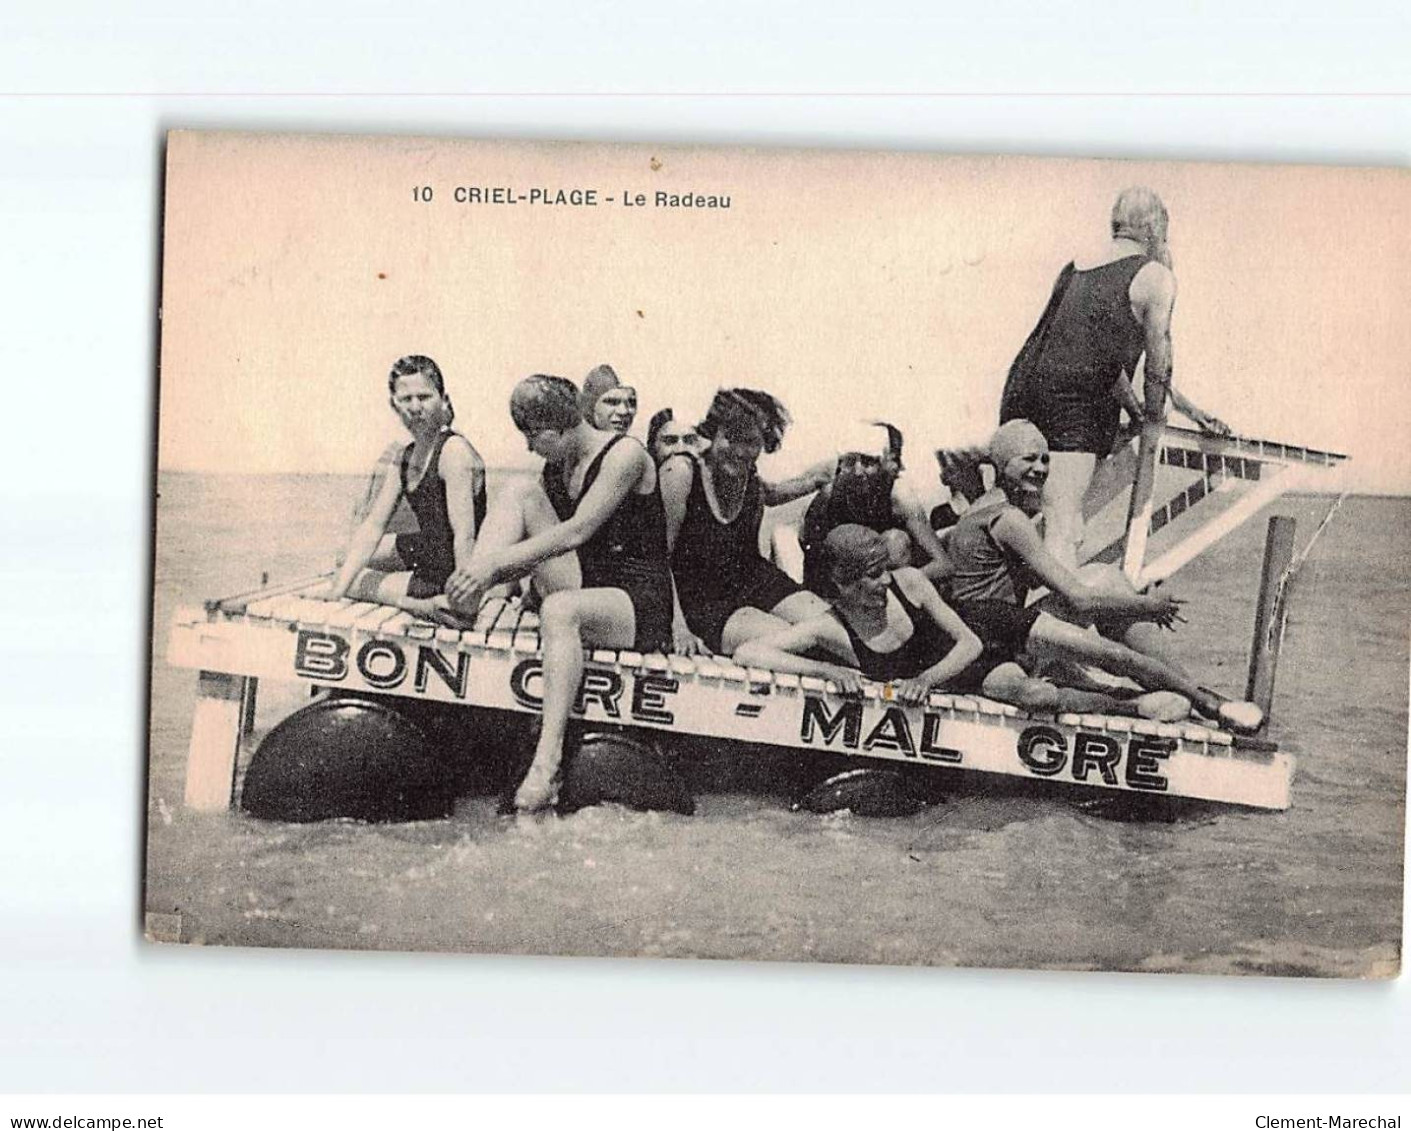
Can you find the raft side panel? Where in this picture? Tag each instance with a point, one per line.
(393, 654)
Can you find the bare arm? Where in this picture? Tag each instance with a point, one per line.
(368, 534)
(676, 475)
(967, 647)
(783, 651)
(1127, 397)
(619, 475)
(1198, 416)
(907, 507)
(463, 472)
(1153, 298)
(1017, 534)
(787, 490)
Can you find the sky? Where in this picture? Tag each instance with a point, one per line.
(853, 285)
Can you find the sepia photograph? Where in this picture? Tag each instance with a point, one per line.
(780, 554)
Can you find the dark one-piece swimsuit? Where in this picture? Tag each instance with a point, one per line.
(627, 552)
(1064, 376)
(927, 644)
(718, 566)
(431, 552)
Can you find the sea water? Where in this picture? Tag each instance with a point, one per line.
(995, 876)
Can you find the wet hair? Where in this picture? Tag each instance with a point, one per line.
(415, 364)
(734, 410)
(544, 402)
(660, 419)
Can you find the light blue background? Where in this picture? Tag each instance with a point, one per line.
(84, 1005)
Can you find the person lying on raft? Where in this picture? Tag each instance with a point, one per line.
(606, 403)
(998, 557)
(667, 436)
(442, 477)
(868, 490)
(597, 496)
(889, 625)
(727, 591)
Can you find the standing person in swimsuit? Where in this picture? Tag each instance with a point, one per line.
(998, 557)
(607, 403)
(597, 496)
(893, 627)
(1074, 375)
(727, 591)
(442, 477)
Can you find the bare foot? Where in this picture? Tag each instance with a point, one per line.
(1163, 706)
(1240, 717)
(440, 610)
(539, 789)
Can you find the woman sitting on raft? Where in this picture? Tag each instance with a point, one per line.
(998, 556)
(868, 490)
(891, 626)
(597, 496)
(606, 403)
(442, 477)
(727, 591)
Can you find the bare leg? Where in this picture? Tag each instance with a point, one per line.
(1068, 478)
(380, 588)
(1143, 636)
(386, 558)
(1051, 636)
(519, 512)
(750, 623)
(1009, 683)
(556, 574)
(569, 620)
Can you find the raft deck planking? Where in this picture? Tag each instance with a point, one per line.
(354, 646)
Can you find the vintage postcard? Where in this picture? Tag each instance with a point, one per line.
(797, 555)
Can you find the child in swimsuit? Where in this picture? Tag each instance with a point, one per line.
(592, 533)
(727, 591)
(442, 477)
(892, 627)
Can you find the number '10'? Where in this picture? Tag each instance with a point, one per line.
(422, 193)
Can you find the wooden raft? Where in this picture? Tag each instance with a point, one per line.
(280, 634)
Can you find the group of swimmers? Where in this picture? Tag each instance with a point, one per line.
(657, 548)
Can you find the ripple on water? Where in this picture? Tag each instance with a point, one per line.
(995, 876)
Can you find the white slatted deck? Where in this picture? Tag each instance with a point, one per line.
(281, 634)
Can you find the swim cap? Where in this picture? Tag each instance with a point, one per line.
(543, 401)
(599, 381)
(854, 551)
(1013, 439)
